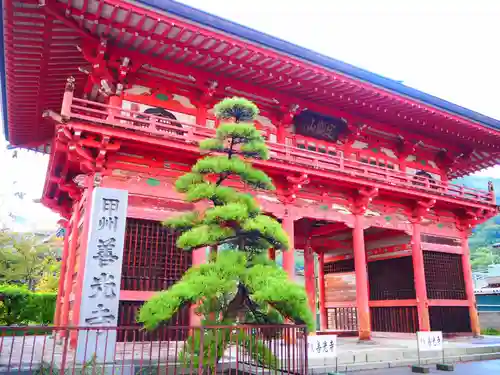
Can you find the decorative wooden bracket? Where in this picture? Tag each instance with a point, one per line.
(79, 149)
(405, 148)
(471, 218)
(362, 199)
(286, 114)
(420, 211)
(207, 94)
(294, 184)
(352, 133)
(108, 75)
(462, 158)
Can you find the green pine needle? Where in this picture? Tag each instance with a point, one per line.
(239, 109)
(239, 284)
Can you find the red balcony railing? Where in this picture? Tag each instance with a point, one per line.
(326, 161)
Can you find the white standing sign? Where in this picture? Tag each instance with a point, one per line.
(430, 341)
(322, 346)
(102, 274)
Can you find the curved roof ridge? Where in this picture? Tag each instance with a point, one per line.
(283, 46)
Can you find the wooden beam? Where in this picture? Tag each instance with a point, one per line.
(327, 229)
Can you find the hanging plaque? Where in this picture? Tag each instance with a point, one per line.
(314, 125)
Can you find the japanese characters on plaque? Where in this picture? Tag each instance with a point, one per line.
(430, 341)
(322, 346)
(102, 273)
(311, 124)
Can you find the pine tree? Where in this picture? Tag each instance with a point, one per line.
(239, 284)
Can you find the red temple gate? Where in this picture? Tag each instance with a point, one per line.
(362, 164)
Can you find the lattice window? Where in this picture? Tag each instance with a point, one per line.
(340, 266)
(450, 319)
(444, 275)
(152, 261)
(342, 319)
(391, 279)
(127, 317)
(394, 319)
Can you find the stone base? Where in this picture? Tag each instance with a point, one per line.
(420, 369)
(445, 367)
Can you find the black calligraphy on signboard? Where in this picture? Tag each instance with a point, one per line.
(314, 125)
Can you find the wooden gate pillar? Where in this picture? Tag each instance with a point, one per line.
(323, 318)
(310, 278)
(469, 286)
(419, 277)
(289, 255)
(358, 241)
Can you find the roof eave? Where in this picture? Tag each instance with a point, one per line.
(251, 35)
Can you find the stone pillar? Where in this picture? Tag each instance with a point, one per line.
(323, 318)
(469, 285)
(419, 277)
(289, 255)
(100, 290)
(364, 324)
(310, 278)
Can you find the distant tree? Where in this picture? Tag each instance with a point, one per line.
(481, 244)
(239, 284)
(49, 282)
(482, 257)
(23, 260)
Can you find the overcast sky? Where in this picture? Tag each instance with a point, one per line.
(448, 48)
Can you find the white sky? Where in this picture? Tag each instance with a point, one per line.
(447, 48)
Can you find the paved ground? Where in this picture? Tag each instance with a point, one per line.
(470, 368)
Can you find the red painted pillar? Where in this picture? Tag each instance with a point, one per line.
(82, 256)
(469, 285)
(419, 277)
(289, 255)
(70, 269)
(281, 134)
(63, 274)
(271, 253)
(323, 319)
(358, 240)
(310, 278)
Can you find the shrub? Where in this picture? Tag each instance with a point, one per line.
(19, 306)
(490, 332)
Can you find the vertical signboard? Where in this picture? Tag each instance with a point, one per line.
(102, 275)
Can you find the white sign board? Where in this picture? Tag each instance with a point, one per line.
(430, 341)
(322, 346)
(102, 274)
